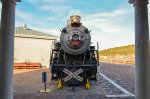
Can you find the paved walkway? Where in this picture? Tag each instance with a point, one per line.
(27, 85)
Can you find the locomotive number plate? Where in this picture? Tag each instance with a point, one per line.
(73, 75)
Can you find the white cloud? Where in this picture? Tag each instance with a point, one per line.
(27, 18)
(53, 8)
(49, 31)
(74, 12)
(45, 1)
(56, 17)
(114, 13)
(109, 28)
(23, 15)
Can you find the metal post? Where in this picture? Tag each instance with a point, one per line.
(142, 49)
(45, 85)
(7, 48)
(44, 79)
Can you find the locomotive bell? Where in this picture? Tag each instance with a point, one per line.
(75, 20)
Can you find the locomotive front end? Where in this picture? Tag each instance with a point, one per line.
(74, 61)
(75, 38)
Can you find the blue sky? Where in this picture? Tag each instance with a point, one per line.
(111, 21)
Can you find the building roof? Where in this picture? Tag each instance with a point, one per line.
(29, 33)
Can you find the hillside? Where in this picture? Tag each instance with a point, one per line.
(122, 51)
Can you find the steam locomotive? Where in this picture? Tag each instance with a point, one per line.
(73, 60)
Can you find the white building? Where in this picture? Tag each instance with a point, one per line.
(32, 46)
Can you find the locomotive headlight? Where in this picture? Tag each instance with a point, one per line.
(75, 37)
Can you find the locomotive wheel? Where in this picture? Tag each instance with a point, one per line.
(87, 85)
(59, 86)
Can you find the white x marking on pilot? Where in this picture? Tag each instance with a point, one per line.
(72, 75)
